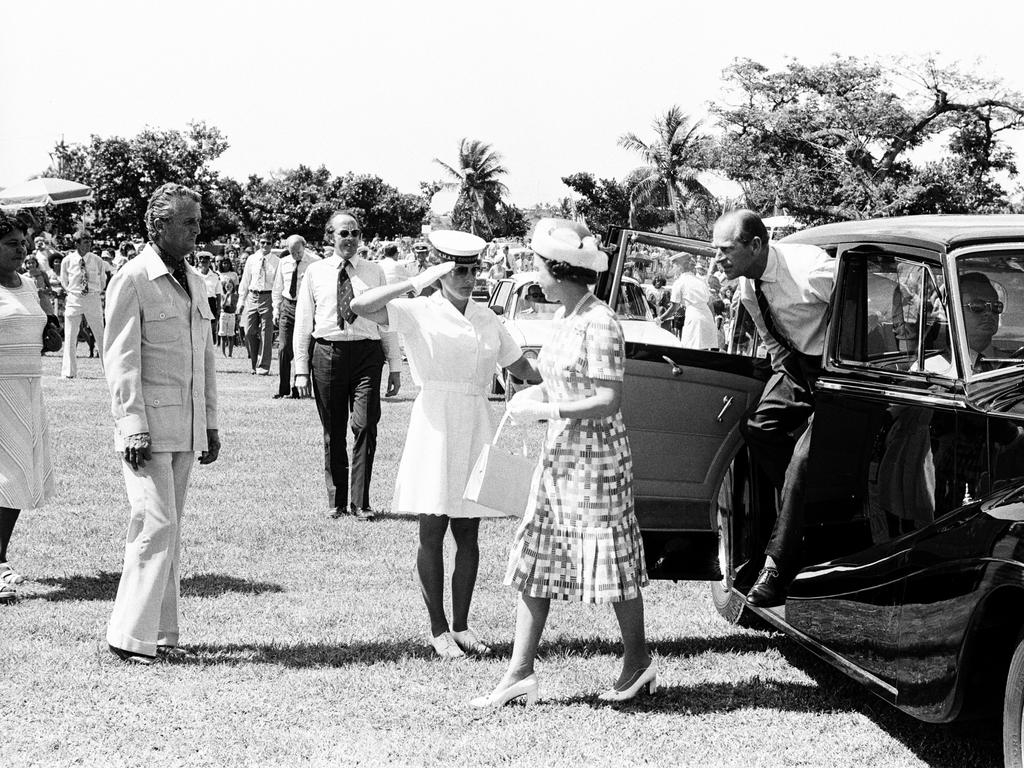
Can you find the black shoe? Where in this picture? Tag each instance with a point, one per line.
(278, 396)
(364, 515)
(336, 513)
(768, 591)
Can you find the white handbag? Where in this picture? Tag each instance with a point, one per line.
(501, 480)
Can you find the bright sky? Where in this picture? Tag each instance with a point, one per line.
(382, 87)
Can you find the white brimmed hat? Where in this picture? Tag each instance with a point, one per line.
(460, 247)
(568, 241)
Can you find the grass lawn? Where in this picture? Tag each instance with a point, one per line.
(310, 634)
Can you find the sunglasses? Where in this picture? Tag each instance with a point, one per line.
(463, 271)
(977, 307)
(347, 233)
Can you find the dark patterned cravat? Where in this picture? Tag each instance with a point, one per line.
(181, 277)
(769, 318)
(345, 295)
(85, 275)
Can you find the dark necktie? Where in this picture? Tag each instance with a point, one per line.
(769, 318)
(295, 282)
(179, 275)
(85, 275)
(345, 295)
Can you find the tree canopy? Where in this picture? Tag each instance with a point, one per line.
(836, 140)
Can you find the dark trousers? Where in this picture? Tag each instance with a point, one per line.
(772, 431)
(285, 352)
(346, 377)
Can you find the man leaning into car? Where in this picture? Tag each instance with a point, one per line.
(786, 288)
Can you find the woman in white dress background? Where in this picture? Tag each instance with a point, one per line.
(26, 472)
(453, 346)
(691, 293)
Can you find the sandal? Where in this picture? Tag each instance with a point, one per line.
(8, 575)
(8, 594)
(470, 643)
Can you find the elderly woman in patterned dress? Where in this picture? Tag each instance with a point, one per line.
(26, 475)
(579, 539)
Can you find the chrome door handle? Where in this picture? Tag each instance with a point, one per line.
(676, 370)
(726, 402)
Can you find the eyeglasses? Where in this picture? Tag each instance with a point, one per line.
(347, 233)
(977, 307)
(463, 271)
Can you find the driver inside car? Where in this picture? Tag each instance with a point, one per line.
(982, 308)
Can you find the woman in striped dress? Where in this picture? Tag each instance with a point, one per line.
(579, 539)
(26, 475)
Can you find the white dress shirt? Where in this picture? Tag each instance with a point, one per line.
(71, 273)
(257, 274)
(283, 279)
(316, 312)
(797, 281)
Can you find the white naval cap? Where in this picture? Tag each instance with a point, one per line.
(460, 247)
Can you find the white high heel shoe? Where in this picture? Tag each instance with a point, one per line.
(647, 679)
(499, 697)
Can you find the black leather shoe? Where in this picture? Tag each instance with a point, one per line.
(768, 591)
(132, 658)
(363, 515)
(336, 513)
(278, 396)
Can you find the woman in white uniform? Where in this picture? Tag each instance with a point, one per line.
(690, 292)
(453, 346)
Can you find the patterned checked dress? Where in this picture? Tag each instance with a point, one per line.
(580, 539)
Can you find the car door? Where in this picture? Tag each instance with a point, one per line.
(883, 458)
(682, 409)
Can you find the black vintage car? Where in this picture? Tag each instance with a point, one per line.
(912, 578)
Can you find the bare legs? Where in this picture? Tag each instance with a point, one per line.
(8, 517)
(532, 614)
(430, 567)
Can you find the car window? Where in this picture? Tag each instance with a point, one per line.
(531, 304)
(632, 303)
(991, 286)
(892, 314)
(501, 294)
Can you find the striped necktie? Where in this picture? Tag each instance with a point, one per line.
(345, 296)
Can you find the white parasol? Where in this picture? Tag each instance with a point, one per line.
(39, 192)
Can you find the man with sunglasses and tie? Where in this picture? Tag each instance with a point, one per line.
(982, 308)
(290, 272)
(339, 358)
(83, 275)
(786, 288)
(256, 301)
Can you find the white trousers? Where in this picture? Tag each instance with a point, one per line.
(76, 307)
(146, 607)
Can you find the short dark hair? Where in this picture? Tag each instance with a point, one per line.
(561, 270)
(390, 250)
(976, 278)
(659, 281)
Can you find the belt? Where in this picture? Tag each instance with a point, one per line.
(345, 342)
(259, 292)
(456, 387)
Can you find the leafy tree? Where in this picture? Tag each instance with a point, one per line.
(607, 202)
(673, 159)
(477, 177)
(833, 141)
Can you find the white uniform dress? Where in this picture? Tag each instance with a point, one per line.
(452, 358)
(699, 328)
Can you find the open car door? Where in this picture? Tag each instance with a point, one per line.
(682, 409)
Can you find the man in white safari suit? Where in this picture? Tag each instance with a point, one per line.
(158, 360)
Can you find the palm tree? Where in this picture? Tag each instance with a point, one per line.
(476, 176)
(673, 161)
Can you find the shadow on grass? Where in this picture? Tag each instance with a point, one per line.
(103, 586)
(973, 744)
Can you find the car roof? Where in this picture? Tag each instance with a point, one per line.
(942, 232)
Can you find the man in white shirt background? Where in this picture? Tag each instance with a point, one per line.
(83, 275)
(344, 367)
(284, 294)
(255, 303)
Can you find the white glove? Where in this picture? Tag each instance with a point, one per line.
(431, 275)
(524, 406)
(533, 393)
